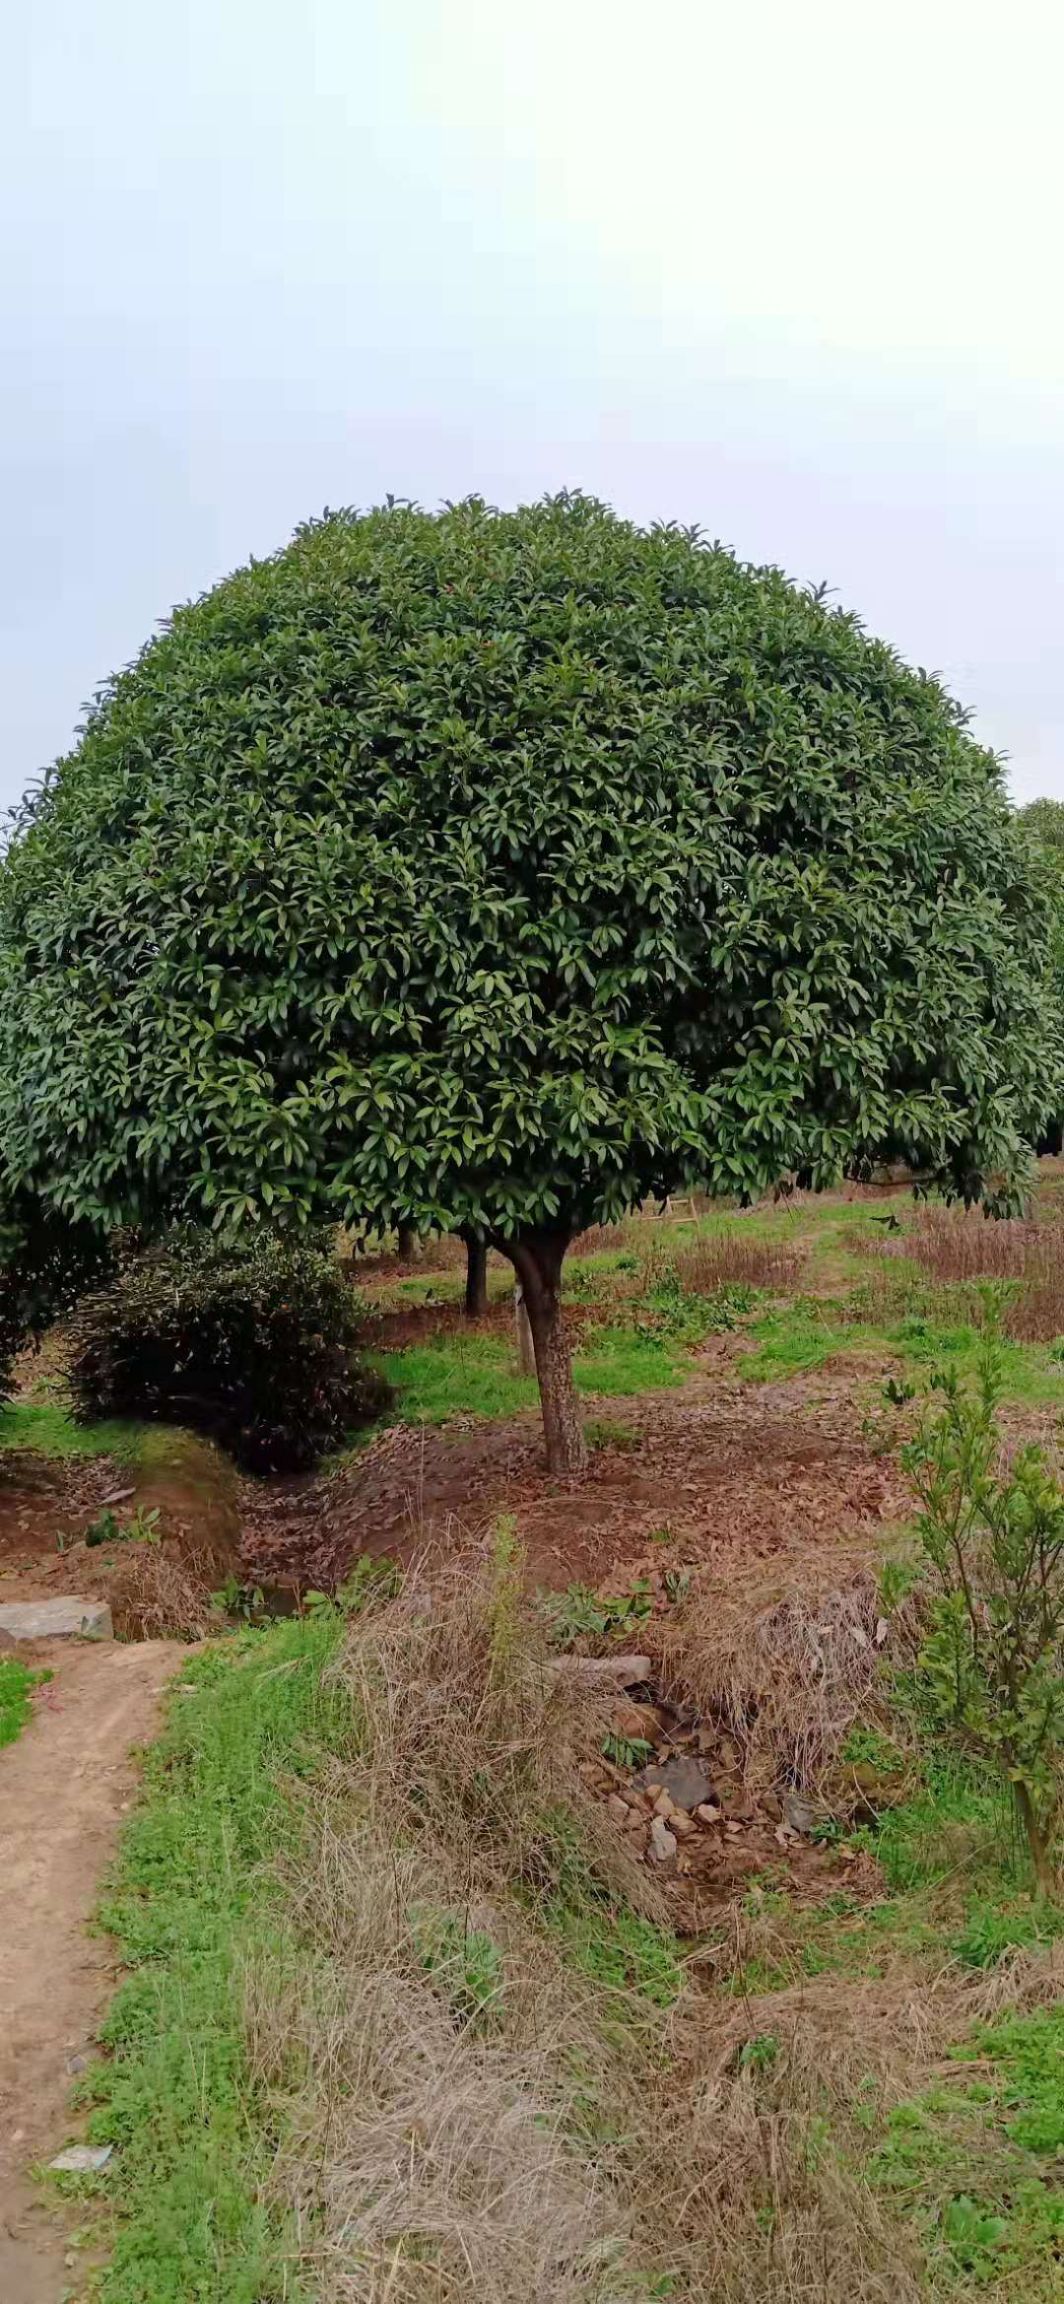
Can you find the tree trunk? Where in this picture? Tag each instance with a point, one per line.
(409, 1243)
(537, 1260)
(476, 1284)
(526, 1350)
(1036, 1840)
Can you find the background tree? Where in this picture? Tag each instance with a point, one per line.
(1043, 824)
(499, 871)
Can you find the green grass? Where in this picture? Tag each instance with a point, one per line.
(17, 1684)
(47, 1427)
(191, 1900)
(975, 2162)
(476, 1376)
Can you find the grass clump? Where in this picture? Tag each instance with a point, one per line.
(17, 1684)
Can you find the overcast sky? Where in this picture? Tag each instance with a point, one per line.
(789, 270)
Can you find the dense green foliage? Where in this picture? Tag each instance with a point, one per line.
(45, 1264)
(1044, 821)
(503, 870)
(256, 1345)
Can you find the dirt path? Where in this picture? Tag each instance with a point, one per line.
(63, 1788)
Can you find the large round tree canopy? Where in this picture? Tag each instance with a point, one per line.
(501, 870)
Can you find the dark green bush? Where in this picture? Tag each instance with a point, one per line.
(255, 1344)
(46, 1262)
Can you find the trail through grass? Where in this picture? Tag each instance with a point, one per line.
(192, 1903)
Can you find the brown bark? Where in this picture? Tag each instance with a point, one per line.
(409, 1243)
(537, 1260)
(1036, 1839)
(526, 1350)
(476, 1286)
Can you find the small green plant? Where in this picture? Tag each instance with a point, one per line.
(107, 1528)
(898, 1393)
(244, 1601)
(662, 1535)
(992, 1529)
(579, 1613)
(971, 2232)
(896, 1581)
(759, 2054)
(464, 1965)
(627, 1751)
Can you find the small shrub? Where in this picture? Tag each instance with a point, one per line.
(992, 1664)
(255, 1345)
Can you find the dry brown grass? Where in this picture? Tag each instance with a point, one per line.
(959, 1248)
(715, 1260)
(557, 2138)
(788, 1680)
(160, 1592)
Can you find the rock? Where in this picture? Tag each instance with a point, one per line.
(635, 1820)
(82, 2159)
(771, 1805)
(684, 1779)
(709, 1812)
(603, 1671)
(662, 1846)
(618, 1808)
(798, 1812)
(62, 1619)
(682, 1825)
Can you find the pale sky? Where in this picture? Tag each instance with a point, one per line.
(790, 269)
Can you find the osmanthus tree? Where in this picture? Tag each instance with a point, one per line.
(497, 872)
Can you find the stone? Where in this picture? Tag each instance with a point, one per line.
(684, 1779)
(603, 1671)
(662, 1846)
(61, 1619)
(799, 1813)
(82, 2159)
(708, 1812)
(770, 1804)
(618, 1808)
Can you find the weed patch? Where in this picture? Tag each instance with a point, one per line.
(17, 1684)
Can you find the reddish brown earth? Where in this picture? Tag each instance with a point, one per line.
(46, 1505)
(736, 1473)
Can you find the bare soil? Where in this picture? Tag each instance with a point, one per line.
(64, 1788)
(47, 1504)
(735, 1473)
